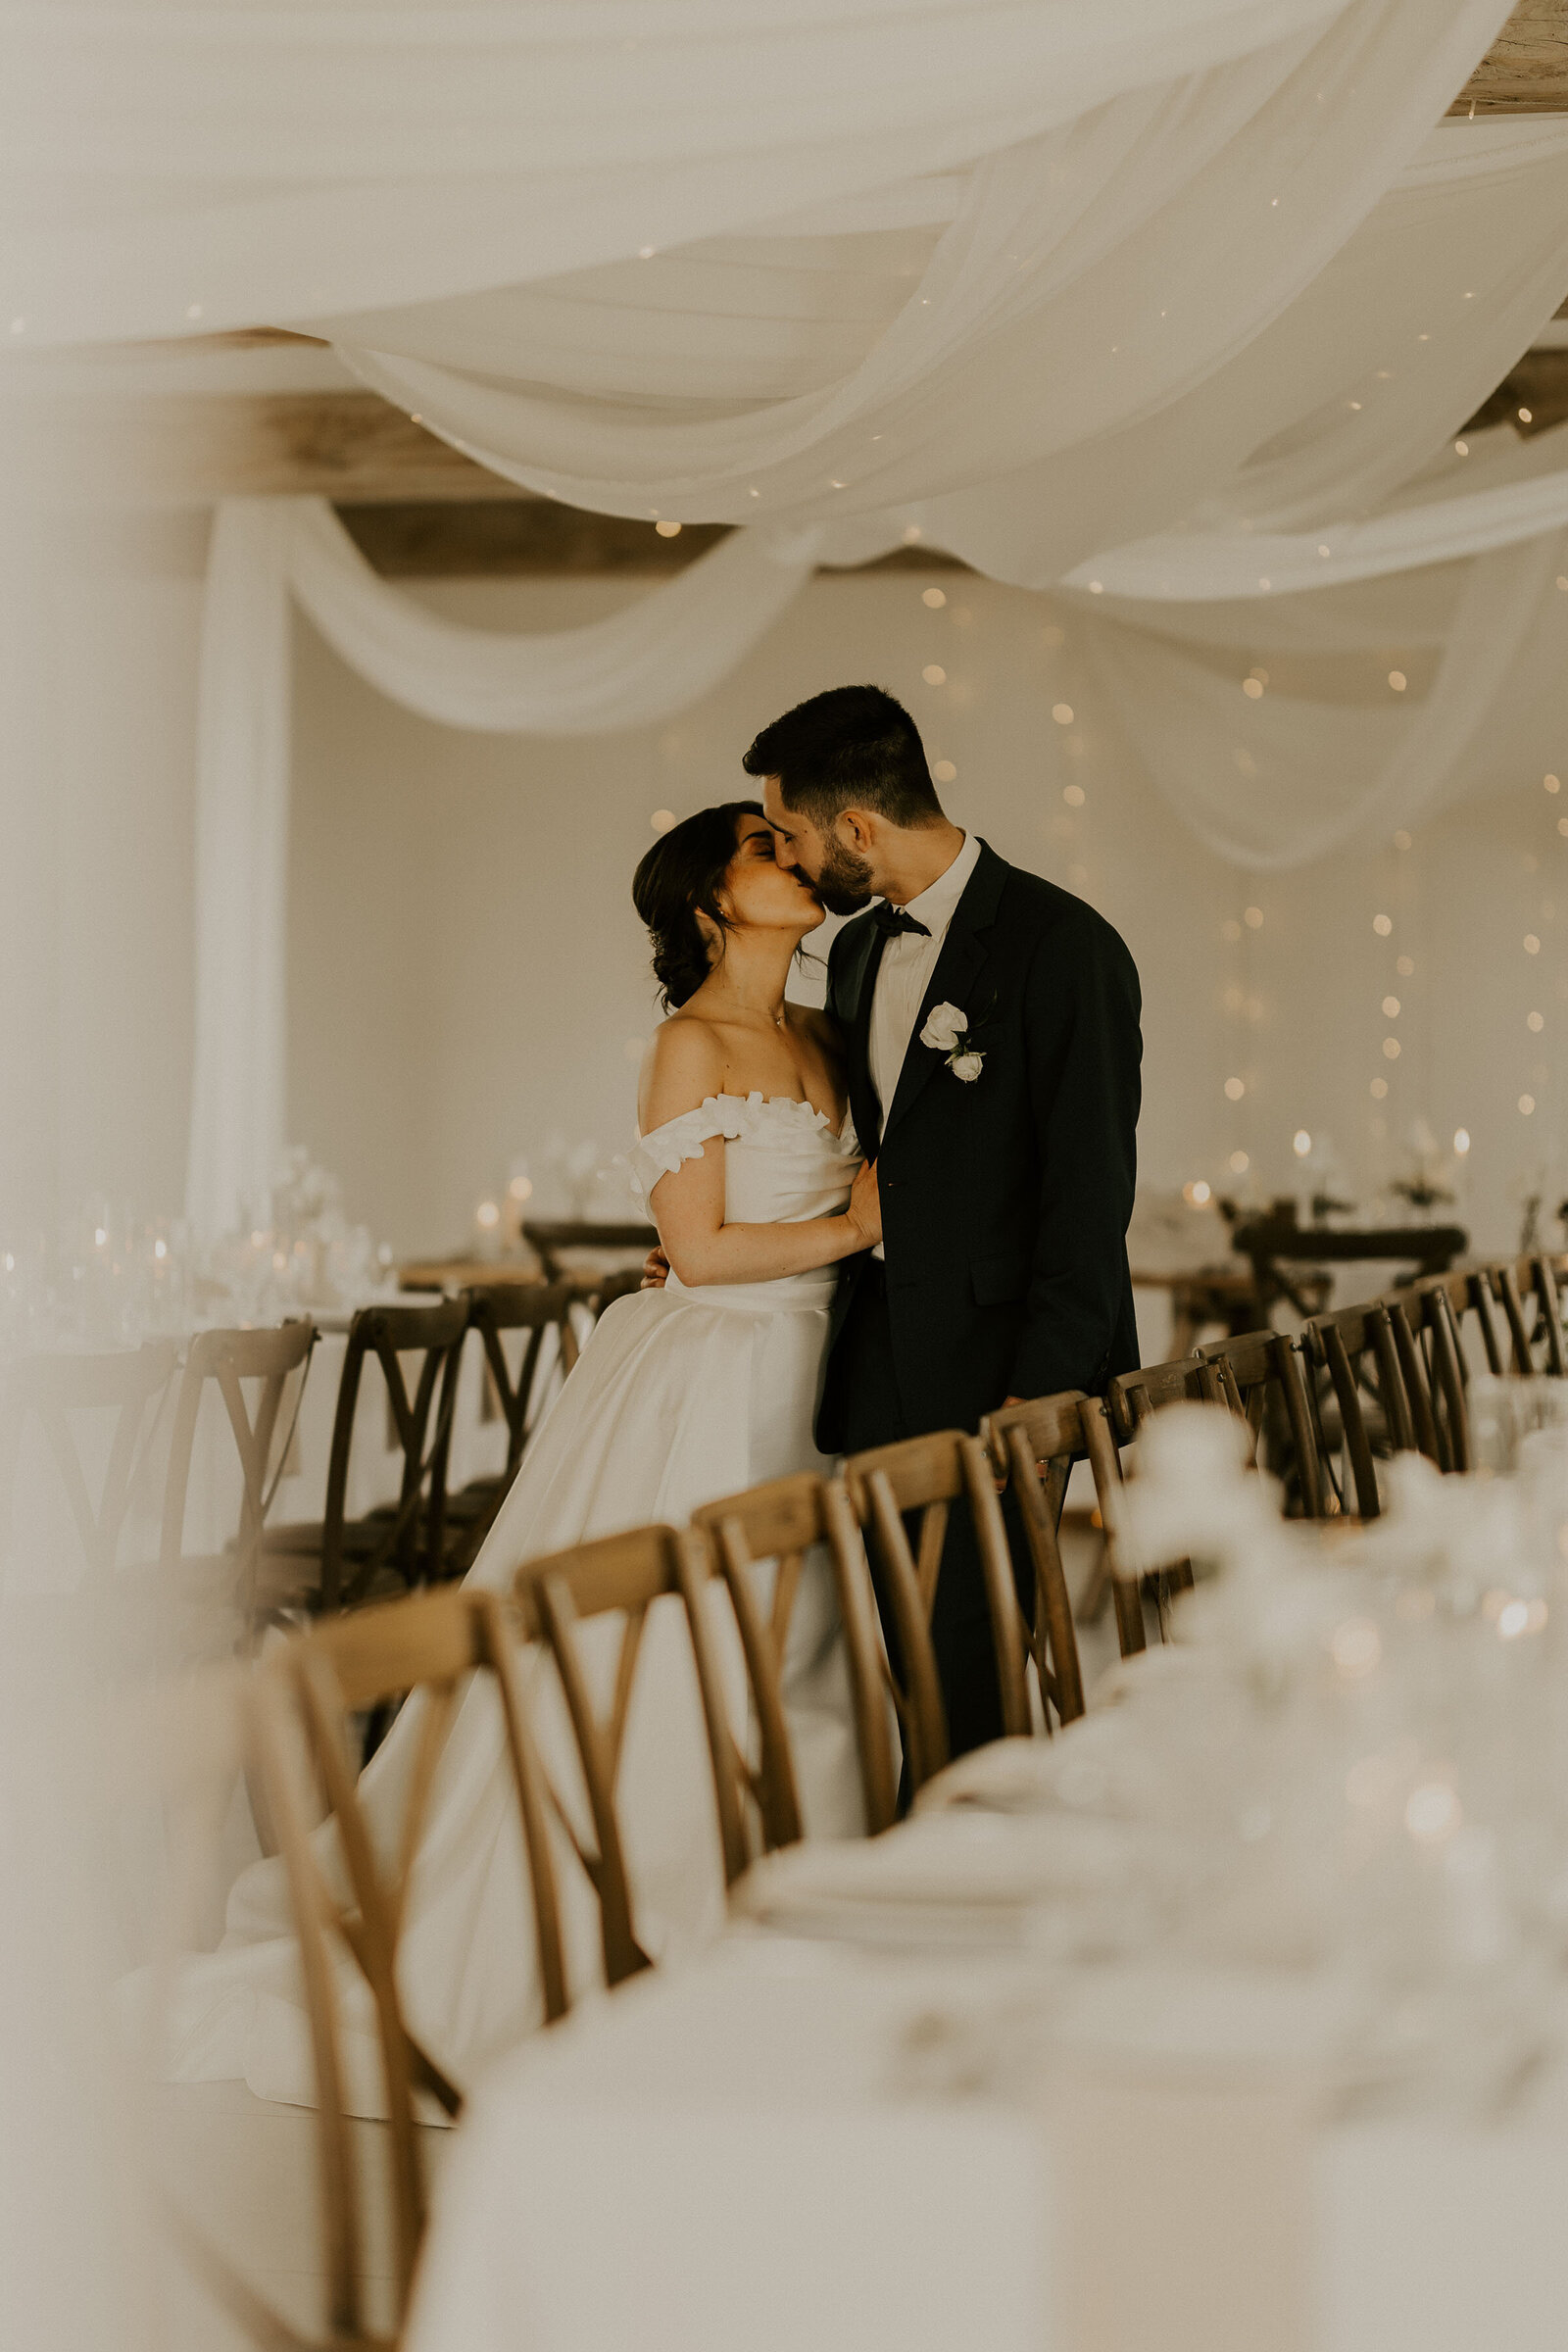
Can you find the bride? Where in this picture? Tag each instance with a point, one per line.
(680, 1396)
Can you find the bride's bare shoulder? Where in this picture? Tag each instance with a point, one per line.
(683, 1065)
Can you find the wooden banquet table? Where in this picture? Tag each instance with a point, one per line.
(800, 2145)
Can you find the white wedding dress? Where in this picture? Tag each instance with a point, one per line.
(680, 1397)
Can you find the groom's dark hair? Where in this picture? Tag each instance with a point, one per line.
(852, 748)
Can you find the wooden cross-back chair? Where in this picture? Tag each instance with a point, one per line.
(1433, 1309)
(778, 1522)
(128, 1383)
(1530, 1294)
(513, 1306)
(274, 1359)
(1258, 1375)
(1383, 1405)
(1108, 1424)
(336, 1562)
(928, 1476)
(428, 1644)
(624, 1576)
(1034, 1445)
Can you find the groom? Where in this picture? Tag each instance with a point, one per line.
(991, 1023)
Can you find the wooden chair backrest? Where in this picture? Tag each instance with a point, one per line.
(1249, 1371)
(1340, 1344)
(623, 1576)
(1035, 1444)
(388, 1333)
(1103, 1422)
(227, 1358)
(1529, 1291)
(517, 1307)
(1432, 1309)
(1134, 1396)
(128, 1383)
(779, 1522)
(428, 1644)
(927, 1476)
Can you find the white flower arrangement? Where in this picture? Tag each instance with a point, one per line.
(947, 1031)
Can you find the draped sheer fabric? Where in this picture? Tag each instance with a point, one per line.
(1139, 305)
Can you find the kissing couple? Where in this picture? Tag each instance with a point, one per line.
(883, 1218)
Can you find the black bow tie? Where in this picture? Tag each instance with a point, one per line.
(890, 921)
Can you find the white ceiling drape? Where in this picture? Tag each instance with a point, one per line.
(1155, 299)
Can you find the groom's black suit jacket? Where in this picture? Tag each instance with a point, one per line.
(1005, 1201)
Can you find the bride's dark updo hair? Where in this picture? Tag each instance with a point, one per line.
(680, 877)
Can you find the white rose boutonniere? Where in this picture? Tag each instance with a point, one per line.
(947, 1031)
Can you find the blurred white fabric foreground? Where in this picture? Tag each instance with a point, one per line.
(756, 2146)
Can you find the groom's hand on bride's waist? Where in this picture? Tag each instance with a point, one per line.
(656, 1269)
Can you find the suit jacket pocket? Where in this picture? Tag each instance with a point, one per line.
(998, 1281)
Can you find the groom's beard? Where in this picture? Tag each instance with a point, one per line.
(843, 884)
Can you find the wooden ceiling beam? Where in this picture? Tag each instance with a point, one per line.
(522, 538)
(1525, 71)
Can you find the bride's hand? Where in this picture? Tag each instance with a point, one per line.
(865, 1211)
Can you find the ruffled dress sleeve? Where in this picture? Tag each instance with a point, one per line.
(663, 1149)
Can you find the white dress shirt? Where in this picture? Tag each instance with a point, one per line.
(905, 974)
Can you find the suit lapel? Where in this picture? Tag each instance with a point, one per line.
(955, 980)
(861, 960)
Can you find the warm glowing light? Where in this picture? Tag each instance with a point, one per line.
(1527, 1103)
(1239, 1163)
(1398, 680)
(521, 1188)
(1533, 1023)
(945, 772)
(1300, 1142)
(1391, 1008)
(1562, 824)
(1552, 783)
(1253, 687)
(488, 1214)
(1197, 1195)
(1391, 1049)
(1061, 713)
(1514, 1619)
(1431, 1812)
(936, 598)
(661, 820)
(1527, 417)
(1073, 795)
(667, 530)
(1380, 1087)
(1532, 944)
(911, 533)
(1235, 1089)
(934, 674)
(1097, 587)
(1405, 967)
(1356, 1647)
(100, 1236)
(11, 1263)
(1461, 449)
(160, 1250)
(1382, 925)
(1252, 917)
(1461, 1141)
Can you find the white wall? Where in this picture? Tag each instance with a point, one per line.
(467, 972)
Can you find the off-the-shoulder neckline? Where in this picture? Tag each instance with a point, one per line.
(757, 1101)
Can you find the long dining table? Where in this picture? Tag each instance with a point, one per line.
(953, 2117)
